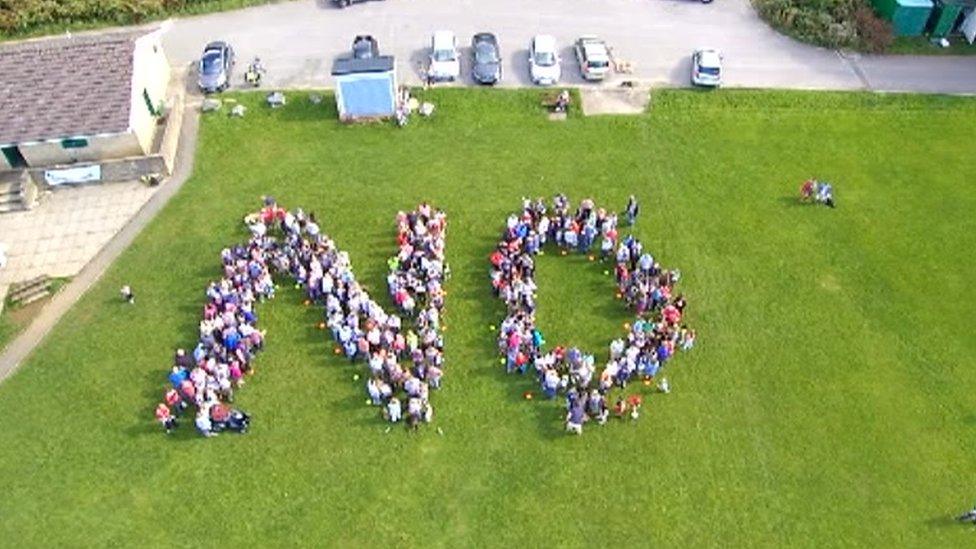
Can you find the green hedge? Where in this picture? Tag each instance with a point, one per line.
(30, 17)
(831, 23)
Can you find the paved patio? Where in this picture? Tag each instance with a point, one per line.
(67, 229)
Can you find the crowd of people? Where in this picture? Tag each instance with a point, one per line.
(204, 380)
(416, 284)
(652, 339)
(404, 364)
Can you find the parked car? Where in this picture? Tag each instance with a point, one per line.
(347, 3)
(593, 57)
(706, 68)
(544, 60)
(487, 65)
(365, 46)
(445, 64)
(216, 64)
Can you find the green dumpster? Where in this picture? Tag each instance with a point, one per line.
(908, 17)
(944, 16)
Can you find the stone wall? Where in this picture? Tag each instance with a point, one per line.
(124, 169)
(170, 142)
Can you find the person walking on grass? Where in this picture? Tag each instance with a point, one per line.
(632, 210)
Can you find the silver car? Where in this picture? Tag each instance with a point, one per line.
(216, 64)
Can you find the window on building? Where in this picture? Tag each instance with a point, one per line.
(74, 143)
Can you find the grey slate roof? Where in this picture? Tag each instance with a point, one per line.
(64, 87)
(349, 65)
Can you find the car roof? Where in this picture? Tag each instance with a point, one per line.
(443, 39)
(595, 50)
(544, 42)
(709, 58)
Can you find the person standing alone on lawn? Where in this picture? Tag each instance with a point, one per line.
(633, 208)
(127, 294)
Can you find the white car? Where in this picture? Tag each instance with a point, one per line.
(706, 68)
(593, 57)
(544, 60)
(445, 63)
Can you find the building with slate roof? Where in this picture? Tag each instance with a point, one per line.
(80, 98)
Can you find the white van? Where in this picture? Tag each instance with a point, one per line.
(445, 63)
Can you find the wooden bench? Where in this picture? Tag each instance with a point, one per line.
(30, 291)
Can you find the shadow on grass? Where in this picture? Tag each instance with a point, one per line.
(945, 521)
(792, 201)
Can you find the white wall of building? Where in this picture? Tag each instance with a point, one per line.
(150, 76)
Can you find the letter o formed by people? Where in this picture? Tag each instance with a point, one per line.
(404, 363)
(654, 336)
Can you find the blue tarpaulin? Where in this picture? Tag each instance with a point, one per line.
(365, 88)
(366, 95)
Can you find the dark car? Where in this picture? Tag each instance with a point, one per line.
(364, 46)
(347, 3)
(487, 66)
(216, 64)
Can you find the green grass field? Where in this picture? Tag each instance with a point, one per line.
(828, 401)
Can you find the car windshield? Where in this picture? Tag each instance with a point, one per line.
(210, 64)
(545, 58)
(443, 55)
(484, 53)
(363, 49)
(598, 64)
(714, 71)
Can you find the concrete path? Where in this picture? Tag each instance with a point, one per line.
(298, 42)
(21, 347)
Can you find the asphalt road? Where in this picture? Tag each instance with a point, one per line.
(298, 41)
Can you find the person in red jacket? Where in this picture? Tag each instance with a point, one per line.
(806, 191)
(166, 418)
(174, 401)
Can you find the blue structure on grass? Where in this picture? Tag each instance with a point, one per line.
(365, 88)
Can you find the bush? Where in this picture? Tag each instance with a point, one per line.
(19, 17)
(830, 23)
(877, 35)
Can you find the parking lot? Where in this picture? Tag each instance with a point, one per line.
(299, 40)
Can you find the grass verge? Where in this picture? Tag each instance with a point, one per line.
(828, 401)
